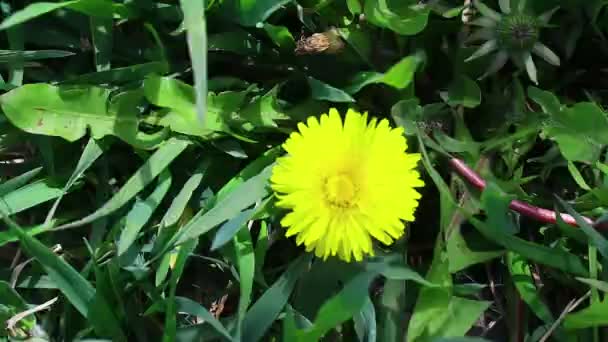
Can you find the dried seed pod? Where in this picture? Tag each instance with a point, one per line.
(325, 42)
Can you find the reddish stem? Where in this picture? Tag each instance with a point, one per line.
(526, 209)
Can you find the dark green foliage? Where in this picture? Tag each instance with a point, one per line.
(137, 138)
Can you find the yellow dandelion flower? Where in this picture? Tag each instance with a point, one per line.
(346, 183)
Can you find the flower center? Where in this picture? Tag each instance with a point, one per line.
(517, 32)
(340, 191)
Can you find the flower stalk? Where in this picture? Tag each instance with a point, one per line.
(526, 209)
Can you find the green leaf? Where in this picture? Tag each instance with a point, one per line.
(18, 181)
(74, 286)
(265, 310)
(245, 260)
(158, 162)
(546, 99)
(430, 309)
(497, 229)
(196, 30)
(10, 236)
(228, 230)
(594, 283)
(10, 56)
(524, 283)
(340, 308)
(463, 91)
(402, 17)
(591, 316)
(141, 213)
(398, 76)
(92, 151)
(262, 112)
(97, 8)
(29, 196)
(365, 322)
(594, 237)
(179, 203)
(12, 304)
(191, 307)
(68, 112)
(281, 37)
(580, 130)
(129, 73)
(243, 196)
(179, 99)
(171, 310)
(323, 91)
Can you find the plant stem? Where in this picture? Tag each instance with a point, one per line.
(526, 209)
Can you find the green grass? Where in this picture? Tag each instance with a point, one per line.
(136, 144)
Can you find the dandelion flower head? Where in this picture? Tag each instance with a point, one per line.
(346, 182)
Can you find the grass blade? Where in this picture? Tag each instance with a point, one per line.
(141, 213)
(92, 151)
(265, 310)
(158, 162)
(196, 30)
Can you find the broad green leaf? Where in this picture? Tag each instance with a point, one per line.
(266, 309)
(403, 17)
(97, 8)
(323, 91)
(580, 130)
(470, 249)
(155, 164)
(281, 37)
(461, 314)
(68, 112)
(463, 91)
(196, 31)
(141, 212)
(179, 99)
(398, 76)
(262, 112)
(430, 309)
(547, 100)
